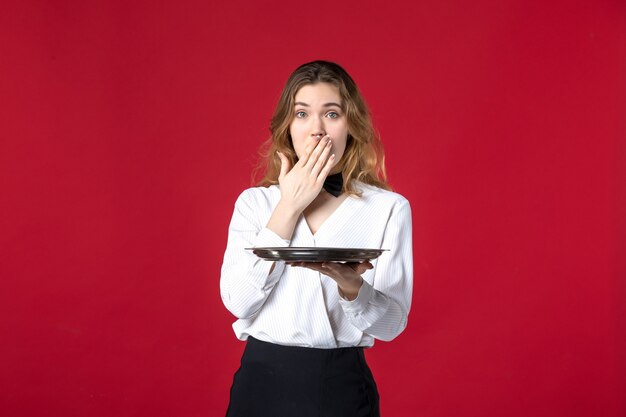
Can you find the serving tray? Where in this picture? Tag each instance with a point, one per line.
(308, 254)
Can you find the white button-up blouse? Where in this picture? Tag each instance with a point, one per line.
(300, 307)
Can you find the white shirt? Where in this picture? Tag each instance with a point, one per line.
(300, 307)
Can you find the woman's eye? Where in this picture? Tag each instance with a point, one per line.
(300, 114)
(332, 115)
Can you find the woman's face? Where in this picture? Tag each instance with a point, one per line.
(317, 111)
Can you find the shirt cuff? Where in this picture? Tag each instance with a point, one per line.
(362, 299)
(269, 239)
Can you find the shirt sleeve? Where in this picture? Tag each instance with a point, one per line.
(381, 308)
(246, 280)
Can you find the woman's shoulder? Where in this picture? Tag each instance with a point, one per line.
(372, 193)
(257, 195)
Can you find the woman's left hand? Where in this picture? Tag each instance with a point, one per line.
(347, 275)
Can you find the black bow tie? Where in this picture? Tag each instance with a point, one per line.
(334, 184)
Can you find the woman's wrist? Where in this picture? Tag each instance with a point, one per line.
(350, 291)
(288, 208)
(283, 220)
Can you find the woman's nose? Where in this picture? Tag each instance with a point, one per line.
(318, 129)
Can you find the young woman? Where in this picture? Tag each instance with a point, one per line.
(306, 323)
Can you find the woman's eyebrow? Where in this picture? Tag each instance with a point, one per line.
(299, 103)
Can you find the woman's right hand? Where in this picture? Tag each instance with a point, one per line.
(300, 185)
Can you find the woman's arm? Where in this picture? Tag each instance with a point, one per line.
(246, 280)
(381, 308)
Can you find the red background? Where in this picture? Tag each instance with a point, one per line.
(127, 129)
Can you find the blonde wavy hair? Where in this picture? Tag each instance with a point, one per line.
(363, 159)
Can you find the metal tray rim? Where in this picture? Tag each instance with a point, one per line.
(321, 254)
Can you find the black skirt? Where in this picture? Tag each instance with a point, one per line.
(277, 381)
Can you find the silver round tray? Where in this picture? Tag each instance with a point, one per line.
(303, 254)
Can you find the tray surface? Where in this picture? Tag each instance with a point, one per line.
(311, 254)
